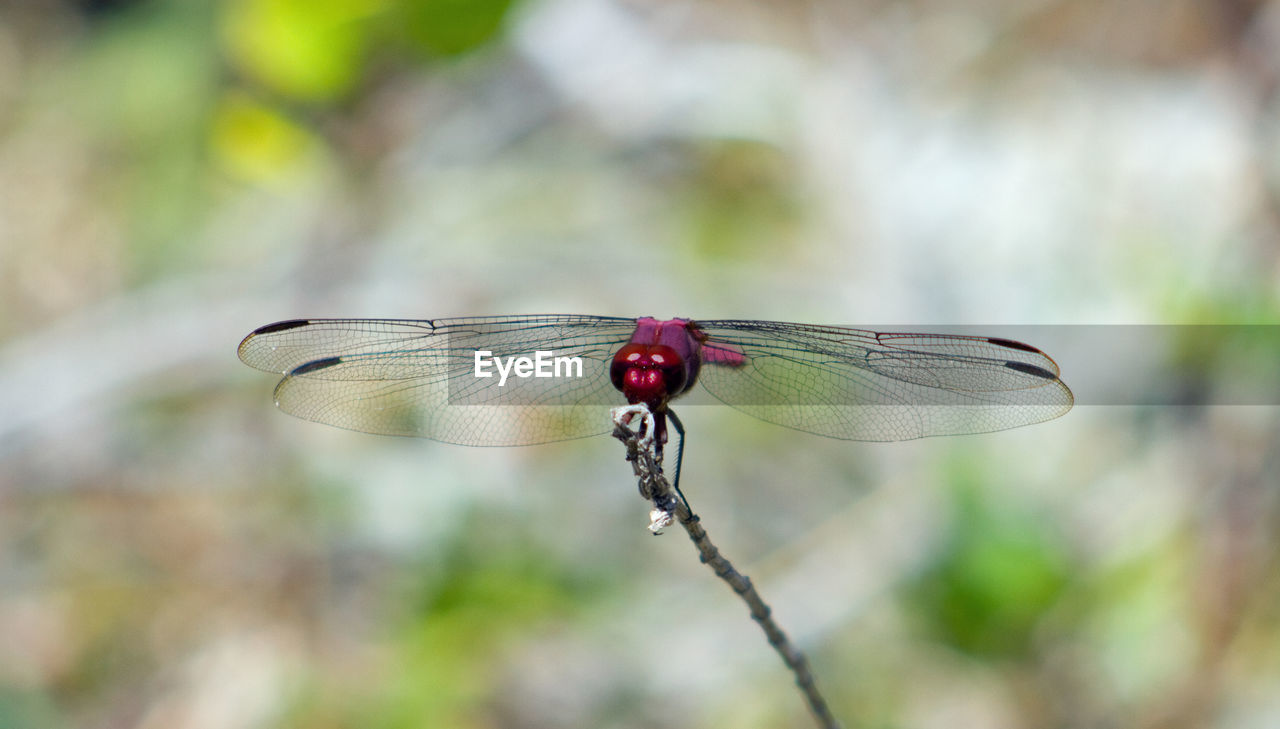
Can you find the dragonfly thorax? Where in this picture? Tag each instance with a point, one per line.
(648, 373)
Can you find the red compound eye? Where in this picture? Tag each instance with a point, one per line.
(647, 373)
(626, 358)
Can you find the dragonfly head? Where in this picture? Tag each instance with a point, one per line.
(648, 373)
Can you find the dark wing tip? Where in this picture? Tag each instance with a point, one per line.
(248, 349)
(281, 326)
(1013, 344)
(1031, 369)
(314, 365)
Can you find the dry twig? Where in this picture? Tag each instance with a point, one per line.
(666, 506)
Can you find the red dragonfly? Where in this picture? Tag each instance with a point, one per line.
(478, 381)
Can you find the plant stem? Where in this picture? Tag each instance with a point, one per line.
(654, 487)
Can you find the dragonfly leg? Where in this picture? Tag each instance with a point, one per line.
(675, 482)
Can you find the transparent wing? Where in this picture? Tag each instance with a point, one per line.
(418, 377)
(857, 384)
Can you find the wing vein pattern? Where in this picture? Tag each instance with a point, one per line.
(857, 384)
(417, 377)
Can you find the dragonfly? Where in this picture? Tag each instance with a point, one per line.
(497, 381)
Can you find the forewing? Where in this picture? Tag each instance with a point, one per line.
(418, 377)
(857, 384)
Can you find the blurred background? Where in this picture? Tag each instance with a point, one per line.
(176, 553)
